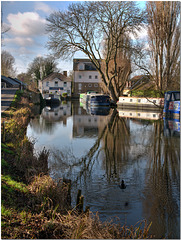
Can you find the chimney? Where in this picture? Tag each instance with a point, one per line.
(65, 73)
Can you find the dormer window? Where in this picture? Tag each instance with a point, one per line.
(56, 83)
(81, 66)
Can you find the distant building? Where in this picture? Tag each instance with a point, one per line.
(141, 82)
(86, 77)
(55, 83)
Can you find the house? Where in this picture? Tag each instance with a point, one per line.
(86, 77)
(7, 82)
(55, 83)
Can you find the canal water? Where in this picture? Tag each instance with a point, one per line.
(98, 148)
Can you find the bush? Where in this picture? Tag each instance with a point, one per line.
(147, 93)
(64, 94)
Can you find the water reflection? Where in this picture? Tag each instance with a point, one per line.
(161, 194)
(46, 122)
(97, 148)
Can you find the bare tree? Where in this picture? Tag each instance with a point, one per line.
(164, 42)
(42, 67)
(4, 27)
(7, 64)
(84, 27)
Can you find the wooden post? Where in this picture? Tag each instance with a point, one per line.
(81, 203)
(68, 183)
(78, 198)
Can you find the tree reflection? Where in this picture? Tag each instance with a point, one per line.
(116, 146)
(112, 142)
(162, 184)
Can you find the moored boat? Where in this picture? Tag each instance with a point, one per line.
(141, 103)
(98, 100)
(172, 105)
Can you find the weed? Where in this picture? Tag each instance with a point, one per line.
(5, 211)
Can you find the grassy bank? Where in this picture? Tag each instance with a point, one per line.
(33, 205)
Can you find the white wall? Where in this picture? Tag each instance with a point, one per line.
(85, 76)
(63, 88)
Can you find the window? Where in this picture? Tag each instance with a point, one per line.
(131, 100)
(90, 85)
(96, 77)
(90, 77)
(56, 83)
(95, 85)
(81, 66)
(47, 84)
(139, 100)
(80, 76)
(65, 84)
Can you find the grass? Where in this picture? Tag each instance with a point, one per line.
(33, 205)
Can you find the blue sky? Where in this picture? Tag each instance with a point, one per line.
(27, 38)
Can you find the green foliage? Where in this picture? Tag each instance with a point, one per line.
(147, 93)
(7, 179)
(5, 211)
(64, 94)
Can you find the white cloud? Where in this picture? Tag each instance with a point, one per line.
(26, 24)
(21, 41)
(42, 7)
(141, 34)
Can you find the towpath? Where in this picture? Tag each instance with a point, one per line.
(7, 96)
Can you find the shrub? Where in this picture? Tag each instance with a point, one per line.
(147, 93)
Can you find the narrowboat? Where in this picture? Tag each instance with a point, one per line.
(172, 105)
(98, 100)
(143, 103)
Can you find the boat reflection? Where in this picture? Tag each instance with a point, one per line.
(172, 127)
(132, 113)
(57, 113)
(96, 110)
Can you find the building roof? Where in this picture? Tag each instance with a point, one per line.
(89, 66)
(18, 81)
(60, 76)
(9, 80)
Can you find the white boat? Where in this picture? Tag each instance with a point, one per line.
(141, 103)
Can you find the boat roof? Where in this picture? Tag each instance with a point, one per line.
(98, 94)
(172, 92)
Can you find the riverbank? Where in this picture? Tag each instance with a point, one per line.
(33, 205)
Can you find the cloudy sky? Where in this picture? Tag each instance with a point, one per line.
(27, 38)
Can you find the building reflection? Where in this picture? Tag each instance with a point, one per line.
(50, 116)
(89, 122)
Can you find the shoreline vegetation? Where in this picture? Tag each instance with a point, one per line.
(32, 204)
